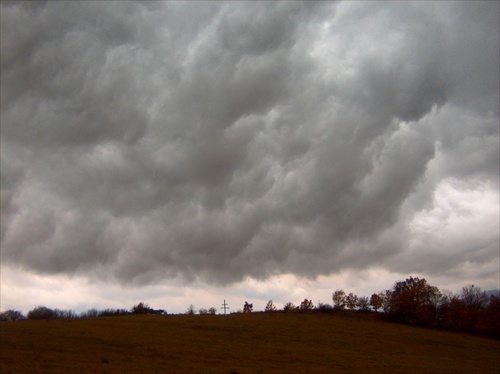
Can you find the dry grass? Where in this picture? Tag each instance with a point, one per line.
(255, 343)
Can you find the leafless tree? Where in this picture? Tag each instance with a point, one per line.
(270, 307)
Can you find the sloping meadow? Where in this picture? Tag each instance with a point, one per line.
(239, 343)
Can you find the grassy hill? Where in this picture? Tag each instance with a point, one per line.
(242, 343)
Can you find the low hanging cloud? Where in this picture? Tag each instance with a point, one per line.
(219, 141)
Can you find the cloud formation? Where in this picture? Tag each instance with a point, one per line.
(219, 141)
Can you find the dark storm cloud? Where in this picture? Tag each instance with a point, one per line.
(223, 140)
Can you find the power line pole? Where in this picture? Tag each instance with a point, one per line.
(225, 306)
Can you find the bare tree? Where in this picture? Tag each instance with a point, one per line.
(385, 297)
(91, 313)
(474, 302)
(270, 307)
(474, 297)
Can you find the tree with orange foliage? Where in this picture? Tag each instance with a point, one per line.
(414, 301)
(376, 302)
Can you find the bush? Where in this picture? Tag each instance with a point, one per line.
(141, 308)
(11, 315)
(41, 312)
(247, 308)
(113, 312)
(324, 308)
(289, 307)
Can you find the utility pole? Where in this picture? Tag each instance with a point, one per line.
(225, 306)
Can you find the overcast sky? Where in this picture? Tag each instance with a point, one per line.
(183, 153)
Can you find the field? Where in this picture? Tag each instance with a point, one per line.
(253, 343)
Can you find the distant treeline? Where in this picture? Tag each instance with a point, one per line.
(42, 312)
(412, 301)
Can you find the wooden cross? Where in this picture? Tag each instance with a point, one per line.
(225, 306)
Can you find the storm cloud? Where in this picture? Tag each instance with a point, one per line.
(218, 141)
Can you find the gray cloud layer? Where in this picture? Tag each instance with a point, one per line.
(142, 141)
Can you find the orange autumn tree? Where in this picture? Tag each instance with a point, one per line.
(414, 301)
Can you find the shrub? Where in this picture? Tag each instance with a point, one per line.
(41, 312)
(324, 308)
(11, 315)
(113, 312)
(289, 307)
(141, 308)
(247, 308)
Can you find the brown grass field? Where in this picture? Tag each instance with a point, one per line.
(253, 343)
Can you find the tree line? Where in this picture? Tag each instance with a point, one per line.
(412, 301)
(415, 302)
(43, 312)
